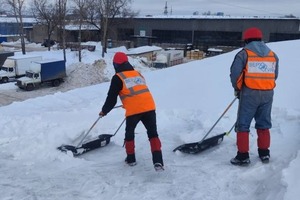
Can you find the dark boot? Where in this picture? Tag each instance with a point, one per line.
(157, 157)
(130, 159)
(157, 160)
(264, 155)
(241, 159)
(156, 153)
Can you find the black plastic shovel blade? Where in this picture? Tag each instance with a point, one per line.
(101, 141)
(66, 148)
(197, 147)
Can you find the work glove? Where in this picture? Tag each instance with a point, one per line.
(237, 93)
(102, 114)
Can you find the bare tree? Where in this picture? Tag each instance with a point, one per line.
(17, 7)
(45, 14)
(62, 12)
(2, 8)
(81, 6)
(101, 13)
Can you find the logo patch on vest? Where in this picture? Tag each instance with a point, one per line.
(134, 81)
(261, 67)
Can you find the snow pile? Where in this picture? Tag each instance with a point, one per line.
(87, 74)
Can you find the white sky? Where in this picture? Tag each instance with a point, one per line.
(229, 7)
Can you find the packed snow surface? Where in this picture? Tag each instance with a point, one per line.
(189, 98)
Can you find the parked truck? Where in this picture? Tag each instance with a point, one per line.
(16, 66)
(168, 58)
(43, 72)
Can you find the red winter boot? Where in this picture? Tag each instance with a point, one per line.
(263, 143)
(130, 159)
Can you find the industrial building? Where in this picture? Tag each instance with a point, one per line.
(199, 31)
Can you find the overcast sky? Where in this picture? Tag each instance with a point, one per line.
(228, 7)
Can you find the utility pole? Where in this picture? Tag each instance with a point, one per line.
(166, 9)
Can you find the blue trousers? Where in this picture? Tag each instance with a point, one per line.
(254, 104)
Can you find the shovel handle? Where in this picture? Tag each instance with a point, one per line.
(228, 132)
(79, 144)
(219, 119)
(119, 127)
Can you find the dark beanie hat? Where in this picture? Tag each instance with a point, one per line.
(120, 58)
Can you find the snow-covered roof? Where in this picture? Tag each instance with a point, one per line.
(143, 49)
(48, 60)
(74, 27)
(215, 50)
(208, 17)
(20, 56)
(188, 102)
(5, 19)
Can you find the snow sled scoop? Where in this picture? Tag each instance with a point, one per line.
(101, 141)
(197, 147)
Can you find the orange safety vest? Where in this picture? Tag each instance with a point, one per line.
(259, 73)
(135, 95)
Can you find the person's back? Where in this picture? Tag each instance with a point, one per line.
(253, 74)
(138, 102)
(135, 95)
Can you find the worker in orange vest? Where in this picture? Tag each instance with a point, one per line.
(138, 102)
(253, 74)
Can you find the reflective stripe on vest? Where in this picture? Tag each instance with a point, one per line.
(259, 72)
(130, 83)
(135, 95)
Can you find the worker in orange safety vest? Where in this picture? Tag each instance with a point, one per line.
(139, 104)
(253, 74)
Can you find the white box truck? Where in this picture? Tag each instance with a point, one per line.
(168, 58)
(40, 72)
(16, 66)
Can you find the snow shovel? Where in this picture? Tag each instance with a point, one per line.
(197, 147)
(101, 141)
